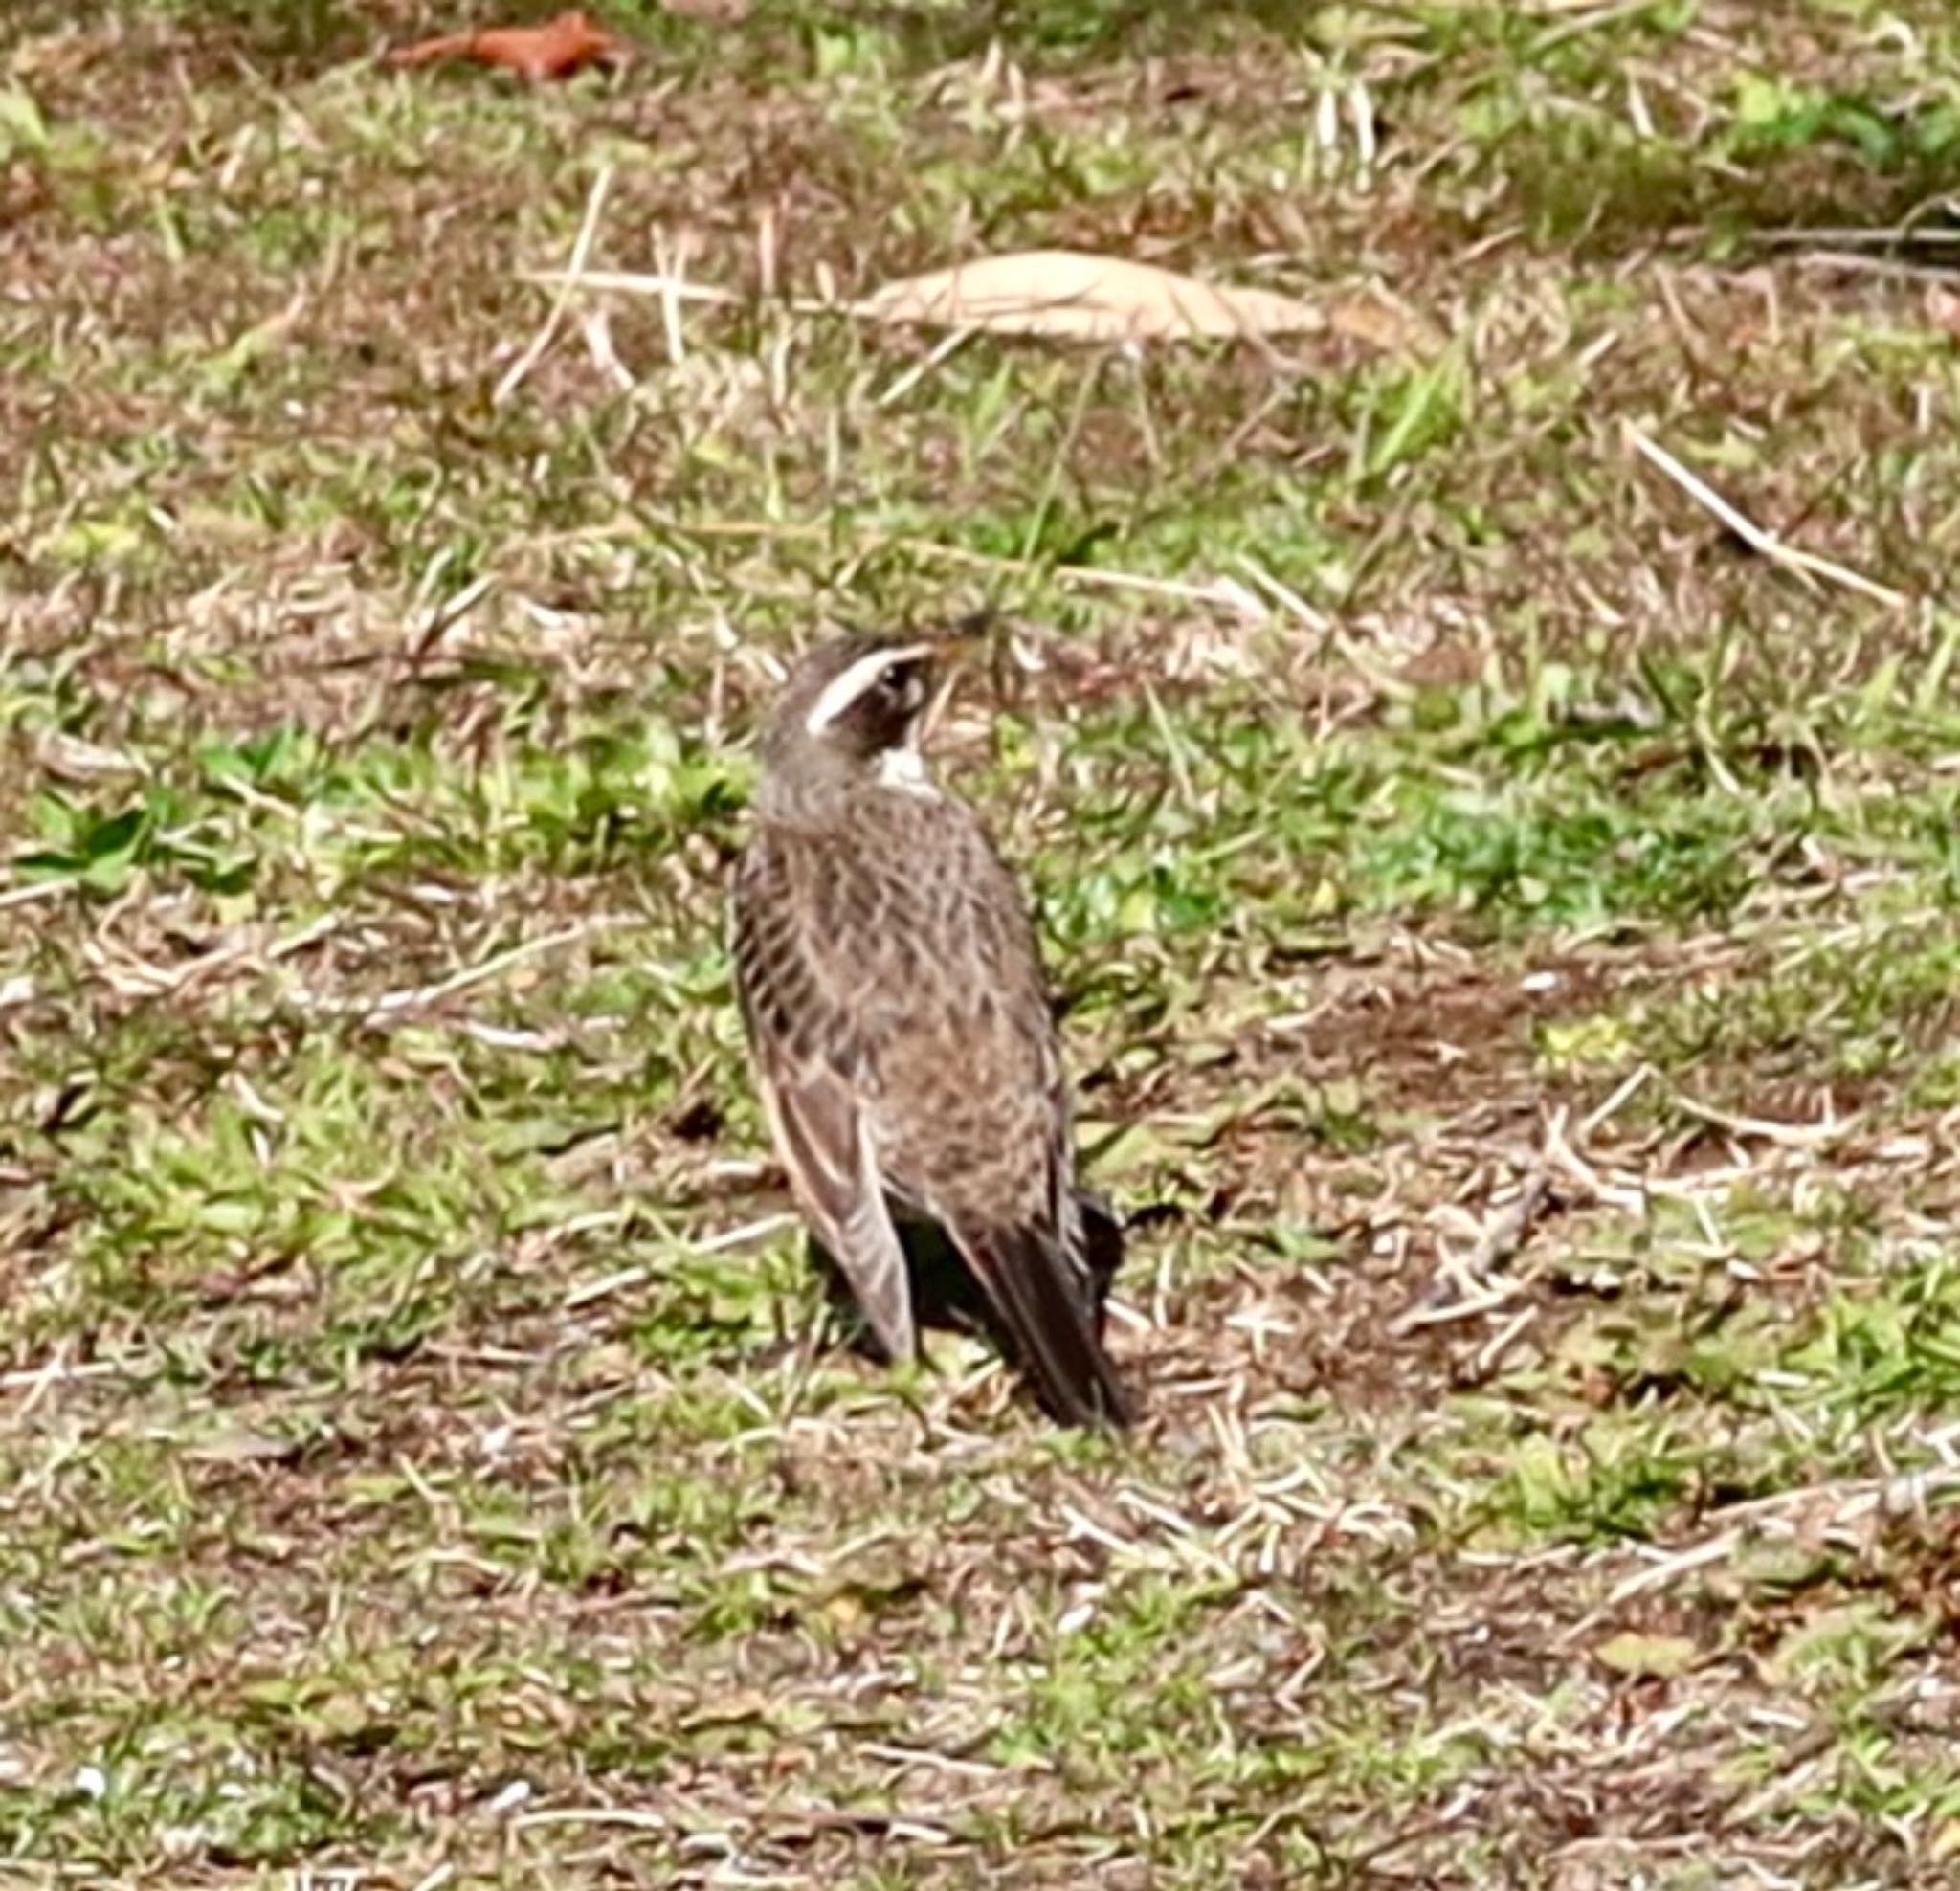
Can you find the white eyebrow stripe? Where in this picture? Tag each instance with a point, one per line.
(844, 689)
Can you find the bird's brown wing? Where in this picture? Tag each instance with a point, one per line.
(972, 1120)
(808, 1066)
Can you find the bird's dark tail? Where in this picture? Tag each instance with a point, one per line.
(1043, 1312)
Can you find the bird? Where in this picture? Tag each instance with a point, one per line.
(898, 1025)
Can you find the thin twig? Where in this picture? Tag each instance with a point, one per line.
(1843, 262)
(1930, 236)
(1615, 1103)
(942, 350)
(1785, 1135)
(568, 281)
(662, 284)
(624, 1815)
(1228, 592)
(747, 1233)
(1853, 1499)
(1804, 565)
(34, 890)
(392, 1004)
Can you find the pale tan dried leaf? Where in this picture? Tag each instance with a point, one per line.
(1661, 1655)
(1087, 297)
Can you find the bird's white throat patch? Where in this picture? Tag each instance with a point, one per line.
(848, 685)
(905, 769)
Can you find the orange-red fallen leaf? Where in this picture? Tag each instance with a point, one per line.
(552, 51)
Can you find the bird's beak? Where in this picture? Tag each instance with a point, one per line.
(949, 654)
(968, 631)
(949, 649)
(935, 706)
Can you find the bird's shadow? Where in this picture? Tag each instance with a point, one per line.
(945, 1295)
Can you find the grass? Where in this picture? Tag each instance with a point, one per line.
(1507, 930)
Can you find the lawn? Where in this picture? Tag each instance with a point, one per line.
(1508, 919)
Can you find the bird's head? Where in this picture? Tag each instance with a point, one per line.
(851, 714)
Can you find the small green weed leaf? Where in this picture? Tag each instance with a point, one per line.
(23, 131)
(1418, 410)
